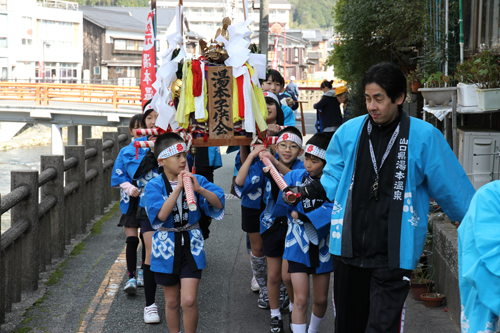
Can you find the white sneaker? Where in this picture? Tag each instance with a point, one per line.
(151, 314)
(140, 278)
(131, 286)
(254, 285)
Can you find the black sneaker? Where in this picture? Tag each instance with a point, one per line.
(263, 300)
(284, 300)
(276, 325)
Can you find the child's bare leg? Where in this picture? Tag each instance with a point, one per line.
(321, 282)
(274, 281)
(148, 240)
(256, 244)
(300, 283)
(287, 280)
(172, 307)
(189, 303)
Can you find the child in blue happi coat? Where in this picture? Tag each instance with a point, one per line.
(140, 166)
(129, 194)
(178, 246)
(251, 177)
(251, 203)
(275, 83)
(306, 246)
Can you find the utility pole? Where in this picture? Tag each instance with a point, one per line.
(264, 27)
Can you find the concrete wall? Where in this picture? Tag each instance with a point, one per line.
(445, 262)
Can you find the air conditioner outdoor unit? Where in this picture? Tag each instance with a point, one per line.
(479, 155)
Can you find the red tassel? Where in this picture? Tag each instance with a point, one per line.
(197, 78)
(205, 137)
(241, 99)
(136, 153)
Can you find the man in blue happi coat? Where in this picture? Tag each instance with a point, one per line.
(478, 262)
(381, 170)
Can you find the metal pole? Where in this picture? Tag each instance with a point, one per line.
(284, 53)
(264, 27)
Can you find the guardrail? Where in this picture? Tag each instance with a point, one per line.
(74, 189)
(43, 93)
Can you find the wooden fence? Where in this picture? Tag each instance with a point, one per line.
(44, 93)
(74, 188)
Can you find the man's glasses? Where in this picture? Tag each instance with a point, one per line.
(284, 146)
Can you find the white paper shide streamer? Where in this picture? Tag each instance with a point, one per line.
(166, 75)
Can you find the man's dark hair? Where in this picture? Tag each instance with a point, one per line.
(166, 140)
(290, 129)
(327, 84)
(390, 77)
(135, 119)
(275, 76)
(280, 116)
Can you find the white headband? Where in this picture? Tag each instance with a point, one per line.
(272, 95)
(148, 107)
(290, 137)
(173, 150)
(316, 151)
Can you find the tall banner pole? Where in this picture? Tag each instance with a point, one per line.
(148, 67)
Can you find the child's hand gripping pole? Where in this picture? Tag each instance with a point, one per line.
(142, 144)
(278, 178)
(188, 188)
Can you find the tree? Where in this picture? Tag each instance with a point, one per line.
(371, 31)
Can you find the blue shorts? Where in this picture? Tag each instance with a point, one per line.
(146, 226)
(169, 280)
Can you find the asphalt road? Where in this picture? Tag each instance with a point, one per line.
(87, 296)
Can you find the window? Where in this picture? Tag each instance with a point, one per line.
(119, 70)
(56, 33)
(26, 31)
(68, 72)
(3, 30)
(97, 70)
(128, 45)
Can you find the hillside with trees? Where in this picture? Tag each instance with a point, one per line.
(311, 14)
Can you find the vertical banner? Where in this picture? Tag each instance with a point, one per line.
(148, 68)
(274, 64)
(220, 96)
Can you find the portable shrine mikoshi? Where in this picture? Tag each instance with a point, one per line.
(216, 99)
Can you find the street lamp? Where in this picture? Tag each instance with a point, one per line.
(45, 44)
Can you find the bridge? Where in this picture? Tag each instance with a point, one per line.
(62, 261)
(68, 105)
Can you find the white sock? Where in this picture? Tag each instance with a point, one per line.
(314, 324)
(299, 328)
(276, 313)
(290, 307)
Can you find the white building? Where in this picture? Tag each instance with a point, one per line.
(205, 16)
(33, 32)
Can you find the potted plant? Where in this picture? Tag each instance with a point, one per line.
(414, 79)
(420, 282)
(432, 299)
(467, 95)
(436, 93)
(486, 72)
(480, 73)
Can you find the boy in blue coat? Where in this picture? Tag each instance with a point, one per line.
(178, 253)
(306, 246)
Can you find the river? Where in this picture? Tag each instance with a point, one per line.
(18, 159)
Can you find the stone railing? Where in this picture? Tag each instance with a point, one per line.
(73, 190)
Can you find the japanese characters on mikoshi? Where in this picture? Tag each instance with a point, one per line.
(220, 92)
(148, 68)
